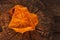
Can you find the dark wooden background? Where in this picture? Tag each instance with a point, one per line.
(48, 12)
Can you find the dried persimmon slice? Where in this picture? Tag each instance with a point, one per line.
(22, 20)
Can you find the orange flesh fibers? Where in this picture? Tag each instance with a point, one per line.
(22, 20)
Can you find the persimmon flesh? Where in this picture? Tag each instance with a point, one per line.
(22, 20)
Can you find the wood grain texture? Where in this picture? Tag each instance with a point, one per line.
(43, 29)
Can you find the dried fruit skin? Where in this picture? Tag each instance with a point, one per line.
(22, 20)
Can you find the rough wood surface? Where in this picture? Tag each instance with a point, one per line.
(43, 29)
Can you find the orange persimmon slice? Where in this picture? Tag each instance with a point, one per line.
(22, 20)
